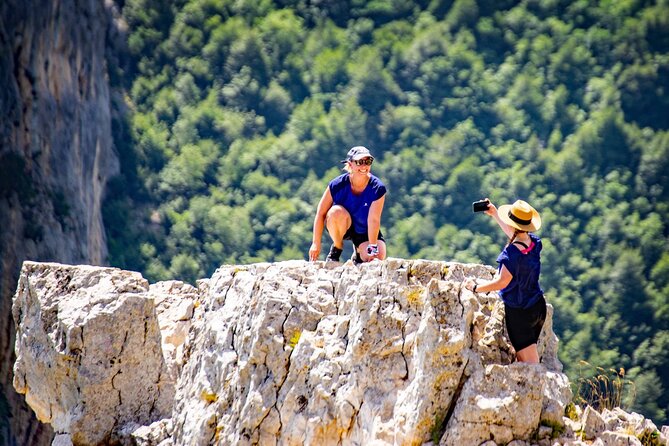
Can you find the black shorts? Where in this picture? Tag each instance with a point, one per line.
(358, 239)
(524, 324)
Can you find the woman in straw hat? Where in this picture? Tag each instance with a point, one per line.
(517, 277)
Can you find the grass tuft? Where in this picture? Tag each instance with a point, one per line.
(650, 438)
(603, 389)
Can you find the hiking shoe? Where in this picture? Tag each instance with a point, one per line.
(334, 254)
(356, 258)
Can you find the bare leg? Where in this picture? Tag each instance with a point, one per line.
(337, 220)
(362, 249)
(528, 354)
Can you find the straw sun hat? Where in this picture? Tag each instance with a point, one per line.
(520, 215)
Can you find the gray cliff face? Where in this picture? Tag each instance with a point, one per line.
(56, 155)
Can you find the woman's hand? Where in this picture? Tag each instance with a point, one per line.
(469, 283)
(492, 209)
(314, 251)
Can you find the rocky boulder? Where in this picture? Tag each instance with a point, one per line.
(89, 357)
(290, 353)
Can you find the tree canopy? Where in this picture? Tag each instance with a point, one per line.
(239, 111)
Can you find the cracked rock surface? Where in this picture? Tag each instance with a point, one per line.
(289, 353)
(88, 346)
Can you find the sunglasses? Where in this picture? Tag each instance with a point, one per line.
(364, 162)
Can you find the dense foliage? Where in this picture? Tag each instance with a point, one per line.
(239, 111)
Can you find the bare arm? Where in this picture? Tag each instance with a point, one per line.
(499, 282)
(492, 211)
(319, 223)
(374, 220)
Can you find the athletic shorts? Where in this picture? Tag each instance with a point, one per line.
(524, 324)
(358, 239)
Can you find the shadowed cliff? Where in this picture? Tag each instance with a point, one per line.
(56, 156)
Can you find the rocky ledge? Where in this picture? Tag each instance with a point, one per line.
(292, 353)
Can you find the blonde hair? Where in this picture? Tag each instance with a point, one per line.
(347, 167)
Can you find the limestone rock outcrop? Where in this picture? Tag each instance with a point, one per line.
(314, 355)
(291, 353)
(92, 358)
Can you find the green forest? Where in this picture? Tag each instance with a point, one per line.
(237, 113)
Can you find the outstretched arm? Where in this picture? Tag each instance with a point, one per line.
(319, 223)
(374, 220)
(492, 211)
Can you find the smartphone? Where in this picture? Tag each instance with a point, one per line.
(480, 206)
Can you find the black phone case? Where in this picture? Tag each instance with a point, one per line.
(479, 206)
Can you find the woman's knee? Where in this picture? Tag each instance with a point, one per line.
(528, 354)
(339, 216)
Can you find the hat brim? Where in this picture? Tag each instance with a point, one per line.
(356, 158)
(361, 156)
(534, 225)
